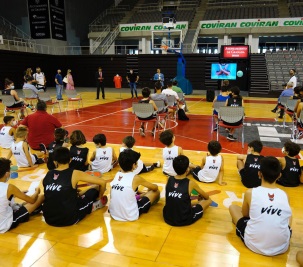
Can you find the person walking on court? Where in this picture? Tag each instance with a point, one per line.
(100, 83)
(132, 78)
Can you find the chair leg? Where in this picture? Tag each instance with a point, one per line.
(218, 132)
(242, 136)
(134, 128)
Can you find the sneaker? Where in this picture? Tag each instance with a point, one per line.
(215, 129)
(274, 110)
(99, 203)
(150, 168)
(280, 117)
(142, 132)
(157, 164)
(231, 137)
(227, 130)
(10, 110)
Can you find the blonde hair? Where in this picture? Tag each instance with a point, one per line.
(21, 132)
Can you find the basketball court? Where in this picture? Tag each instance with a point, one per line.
(99, 240)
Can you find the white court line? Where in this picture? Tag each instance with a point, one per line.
(108, 114)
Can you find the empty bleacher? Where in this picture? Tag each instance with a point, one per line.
(295, 8)
(7, 31)
(278, 65)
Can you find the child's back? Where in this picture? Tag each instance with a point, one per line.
(169, 153)
(267, 231)
(211, 169)
(78, 158)
(249, 174)
(103, 159)
(19, 154)
(291, 173)
(51, 148)
(6, 139)
(177, 210)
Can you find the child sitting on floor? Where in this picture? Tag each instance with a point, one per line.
(291, 170)
(78, 152)
(263, 221)
(7, 133)
(212, 166)
(125, 205)
(21, 150)
(13, 214)
(104, 159)
(178, 209)
(128, 143)
(61, 140)
(249, 165)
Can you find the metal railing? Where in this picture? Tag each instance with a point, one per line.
(19, 32)
(108, 41)
(195, 38)
(104, 31)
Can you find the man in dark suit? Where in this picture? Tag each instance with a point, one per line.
(100, 83)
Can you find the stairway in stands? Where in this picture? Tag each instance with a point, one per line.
(259, 85)
(132, 63)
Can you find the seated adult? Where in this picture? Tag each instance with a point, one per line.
(176, 88)
(41, 126)
(288, 91)
(29, 86)
(147, 100)
(222, 97)
(9, 90)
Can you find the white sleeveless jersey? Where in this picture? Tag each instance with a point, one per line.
(6, 211)
(123, 203)
(267, 231)
(103, 159)
(139, 162)
(17, 150)
(211, 169)
(6, 140)
(168, 155)
(39, 77)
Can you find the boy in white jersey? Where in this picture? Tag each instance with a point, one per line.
(142, 167)
(169, 152)
(21, 150)
(263, 221)
(104, 159)
(12, 214)
(7, 132)
(125, 204)
(212, 166)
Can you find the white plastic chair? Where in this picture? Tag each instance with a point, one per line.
(73, 96)
(45, 96)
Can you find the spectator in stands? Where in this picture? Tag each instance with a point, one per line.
(100, 83)
(159, 77)
(70, 81)
(40, 78)
(293, 78)
(132, 79)
(59, 84)
(41, 126)
(289, 91)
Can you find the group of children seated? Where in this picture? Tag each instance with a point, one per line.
(262, 222)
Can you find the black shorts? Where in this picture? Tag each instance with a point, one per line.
(143, 205)
(195, 173)
(233, 123)
(20, 216)
(85, 203)
(240, 227)
(197, 212)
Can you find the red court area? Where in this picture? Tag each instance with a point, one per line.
(116, 120)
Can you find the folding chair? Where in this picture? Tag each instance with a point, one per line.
(172, 103)
(289, 109)
(298, 131)
(73, 96)
(282, 103)
(217, 105)
(162, 116)
(144, 110)
(9, 100)
(45, 96)
(182, 99)
(28, 95)
(231, 115)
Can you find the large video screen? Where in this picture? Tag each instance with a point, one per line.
(224, 71)
(234, 51)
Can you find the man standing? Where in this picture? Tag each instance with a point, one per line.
(59, 84)
(40, 79)
(100, 84)
(132, 79)
(159, 77)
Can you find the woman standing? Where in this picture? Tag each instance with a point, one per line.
(70, 81)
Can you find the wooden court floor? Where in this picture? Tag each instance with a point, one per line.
(100, 241)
